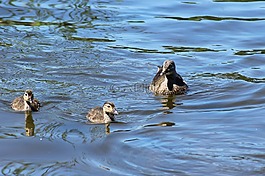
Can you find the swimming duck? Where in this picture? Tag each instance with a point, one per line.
(104, 114)
(167, 81)
(26, 102)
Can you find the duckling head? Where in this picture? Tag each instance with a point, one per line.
(168, 67)
(28, 96)
(109, 108)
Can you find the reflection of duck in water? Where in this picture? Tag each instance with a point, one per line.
(99, 131)
(167, 81)
(29, 123)
(26, 102)
(103, 114)
(168, 102)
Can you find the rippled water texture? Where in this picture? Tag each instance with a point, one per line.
(77, 54)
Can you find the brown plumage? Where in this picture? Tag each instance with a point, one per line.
(104, 114)
(26, 102)
(167, 81)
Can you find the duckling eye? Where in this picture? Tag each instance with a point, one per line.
(108, 106)
(26, 94)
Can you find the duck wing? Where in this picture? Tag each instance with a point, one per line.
(34, 105)
(158, 78)
(96, 115)
(18, 104)
(179, 80)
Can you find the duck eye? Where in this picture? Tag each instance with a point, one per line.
(171, 67)
(26, 94)
(108, 106)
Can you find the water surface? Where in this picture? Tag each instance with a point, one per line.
(76, 55)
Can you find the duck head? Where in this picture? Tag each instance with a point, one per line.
(28, 96)
(168, 67)
(109, 108)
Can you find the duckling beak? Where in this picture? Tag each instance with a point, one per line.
(115, 112)
(30, 99)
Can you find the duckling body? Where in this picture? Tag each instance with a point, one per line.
(167, 81)
(104, 114)
(26, 102)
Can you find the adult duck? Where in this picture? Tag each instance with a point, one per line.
(167, 81)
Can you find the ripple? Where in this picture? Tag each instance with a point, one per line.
(213, 18)
(75, 55)
(250, 52)
(190, 49)
(140, 50)
(234, 76)
(92, 39)
(163, 124)
(35, 23)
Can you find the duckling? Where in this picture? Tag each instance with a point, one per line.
(167, 81)
(26, 102)
(104, 114)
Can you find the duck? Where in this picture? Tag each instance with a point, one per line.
(26, 102)
(104, 114)
(167, 81)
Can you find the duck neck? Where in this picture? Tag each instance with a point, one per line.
(27, 105)
(171, 79)
(174, 78)
(31, 106)
(110, 115)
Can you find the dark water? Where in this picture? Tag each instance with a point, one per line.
(77, 54)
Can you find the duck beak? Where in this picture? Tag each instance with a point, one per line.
(31, 100)
(115, 112)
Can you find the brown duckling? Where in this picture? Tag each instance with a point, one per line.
(104, 114)
(167, 81)
(26, 102)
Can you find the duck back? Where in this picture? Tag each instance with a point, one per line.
(96, 115)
